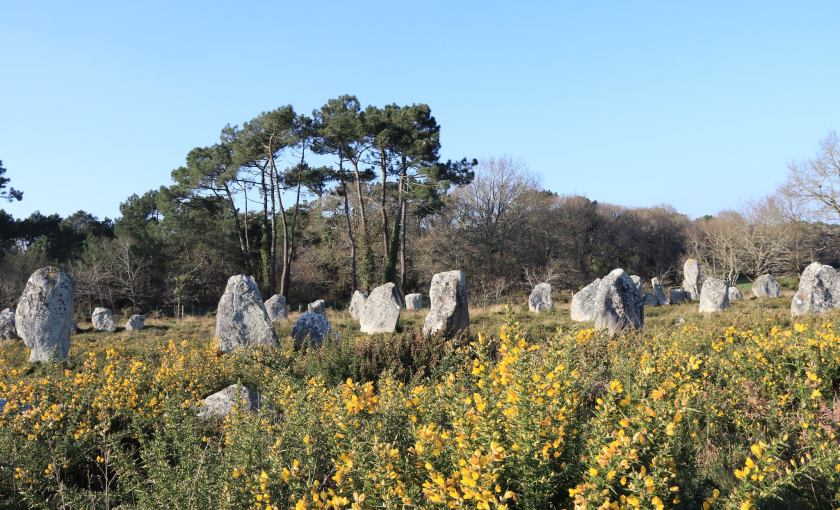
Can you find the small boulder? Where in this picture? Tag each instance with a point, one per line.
(8, 332)
(357, 304)
(735, 294)
(222, 403)
(135, 323)
(650, 299)
(619, 305)
(450, 310)
(691, 279)
(103, 319)
(312, 326)
(714, 297)
(317, 307)
(241, 318)
(819, 290)
(382, 310)
(583, 302)
(540, 298)
(414, 302)
(676, 296)
(44, 314)
(658, 292)
(766, 286)
(276, 308)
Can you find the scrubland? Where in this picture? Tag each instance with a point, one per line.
(735, 410)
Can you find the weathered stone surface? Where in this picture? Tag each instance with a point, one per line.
(819, 290)
(8, 332)
(222, 403)
(103, 319)
(276, 308)
(44, 314)
(540, 298)
(583, 302)
(241, 318)
(714, 297)
(74, 326)
(135, 323)
(450, 310)
(315, 327)
(414, 302)
(658, 292)
(650, 299)
(735, 294)
(317, 307)
(637, 281)
(382, 310)
(766, 286)
(691, 279)
(676, 296)
(357, 304)
(619, 304)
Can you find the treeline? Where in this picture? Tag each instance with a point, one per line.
(384, 209)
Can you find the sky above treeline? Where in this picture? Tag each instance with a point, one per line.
(636, 103)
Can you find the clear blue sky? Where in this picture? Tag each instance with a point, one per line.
(636, 103)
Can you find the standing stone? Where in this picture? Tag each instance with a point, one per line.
(540, 298)
(357, 304)
(276, 308)
(819, 290)
(8, 332)
(619, 304)
(312, 326)
(222, 403)
(317, 307)
(241, 318)
(691, 279)
(658, 292)
(135, 323)
(676, 296)
(44, 314)
(73, 327)
(650, 299)
(637, 281)
(766, 286)
(715, 295)
(103, 319)
(450, 310)
(735, 294)
(583, 302)
(382, 310)
(414, 302)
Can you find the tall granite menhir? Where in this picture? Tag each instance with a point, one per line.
(450, 310)
(819, 290)
(44, 314)
(381, 313)
(241, 319)
(619, 304)
(583, 302)
(691, 279)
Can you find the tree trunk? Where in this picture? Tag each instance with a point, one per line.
(286, 253)
(287, 268)
(349, 234)
(383, 164)
(238, 229)
(403, 270)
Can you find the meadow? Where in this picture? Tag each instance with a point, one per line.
(523, 411)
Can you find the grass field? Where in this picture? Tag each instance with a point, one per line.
(733, 410)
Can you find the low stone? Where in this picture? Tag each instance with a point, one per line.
(619, 305)
(450, 308)
(103, 319)
(357, 304)
(691, 279)
(676, 296)
(650, 299)
(312, 326)
(819, 290)
(382, 310)
(735, 294)
(317, 307)
(414, 302)
(714, 297)
(583, 302)
(135, 323)
(241, 318)
(766, 286)
(276, 308)
(44, 314)
(658, 292)
(8, 331)
(540, 298)
(222, 403)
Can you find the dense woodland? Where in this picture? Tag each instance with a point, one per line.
(387, 208)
